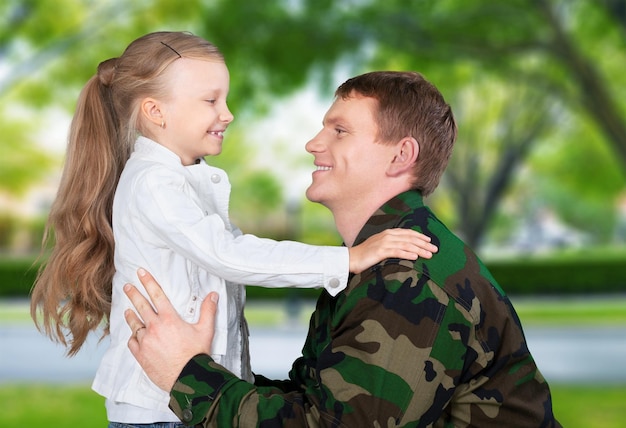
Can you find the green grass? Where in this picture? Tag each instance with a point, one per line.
(568, 311)
(51, 406)
(590, 310)
(584, 406)
(589, 406)
(14, 311)
(577, 406)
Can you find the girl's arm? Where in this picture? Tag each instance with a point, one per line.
(178, 222)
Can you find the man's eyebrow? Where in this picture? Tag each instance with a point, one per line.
(329, 121)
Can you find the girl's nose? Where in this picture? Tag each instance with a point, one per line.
(226, 116)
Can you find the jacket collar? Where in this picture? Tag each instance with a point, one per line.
(390, 215)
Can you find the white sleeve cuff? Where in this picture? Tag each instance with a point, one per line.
(336, 276)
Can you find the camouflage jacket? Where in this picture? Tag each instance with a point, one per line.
(407, 344)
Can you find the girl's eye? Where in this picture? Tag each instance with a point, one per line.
(211, 101)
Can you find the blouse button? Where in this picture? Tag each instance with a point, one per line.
(333, 283)
(215, 178)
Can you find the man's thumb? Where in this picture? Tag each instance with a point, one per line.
(208, 311)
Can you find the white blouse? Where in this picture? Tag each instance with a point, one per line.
(173, 221)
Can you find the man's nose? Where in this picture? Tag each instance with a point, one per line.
(314, 144)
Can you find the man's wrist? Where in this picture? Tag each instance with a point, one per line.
(197, 387)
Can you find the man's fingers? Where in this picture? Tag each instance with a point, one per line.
(141, 304)
(133, 321)
(157, 296)
(206, 321)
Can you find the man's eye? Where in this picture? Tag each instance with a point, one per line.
(339, 131)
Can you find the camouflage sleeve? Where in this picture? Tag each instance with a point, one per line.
(199, 384)
(393, 349)
(208, 395)
(354, 369)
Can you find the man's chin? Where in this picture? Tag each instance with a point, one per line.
(311, 196)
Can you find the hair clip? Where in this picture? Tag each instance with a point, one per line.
(173, 50)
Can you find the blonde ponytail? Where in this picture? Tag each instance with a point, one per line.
(72, 292)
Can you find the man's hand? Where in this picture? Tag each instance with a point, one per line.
(163, 343)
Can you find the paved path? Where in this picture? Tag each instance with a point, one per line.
(564, 355)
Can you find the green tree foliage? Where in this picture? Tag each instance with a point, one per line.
(543, 68)
(526, 78)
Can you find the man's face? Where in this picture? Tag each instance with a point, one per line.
(350, 163)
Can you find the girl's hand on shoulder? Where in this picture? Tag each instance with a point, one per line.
(391, 243)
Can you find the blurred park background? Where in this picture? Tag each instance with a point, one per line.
(536, 185)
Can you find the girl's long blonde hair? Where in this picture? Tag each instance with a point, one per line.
(72, 293)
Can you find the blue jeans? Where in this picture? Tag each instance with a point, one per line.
(154, 425)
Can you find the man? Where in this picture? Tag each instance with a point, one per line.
(426, 343)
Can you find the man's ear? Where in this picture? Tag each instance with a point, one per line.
(151, 111)
(406, 153)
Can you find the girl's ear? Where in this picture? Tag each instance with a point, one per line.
(151, 111)
(406, 153)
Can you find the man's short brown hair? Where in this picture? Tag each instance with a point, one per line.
(410, 106)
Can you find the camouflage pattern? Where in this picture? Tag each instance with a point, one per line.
(431, 343)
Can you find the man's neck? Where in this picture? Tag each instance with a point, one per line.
(351, 219)
(348, 229)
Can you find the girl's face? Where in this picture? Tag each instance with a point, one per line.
(195, 114)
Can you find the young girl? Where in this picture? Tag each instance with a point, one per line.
(137, 192)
